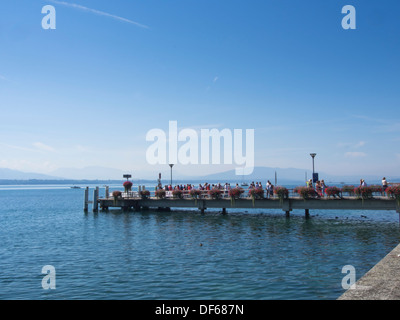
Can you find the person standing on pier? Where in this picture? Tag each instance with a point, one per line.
(268, 187)
(323, 187)
(384, 184)
(318, 188)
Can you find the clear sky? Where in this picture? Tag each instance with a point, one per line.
(86, 93)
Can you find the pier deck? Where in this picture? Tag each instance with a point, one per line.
(133, 201)
(286, 205)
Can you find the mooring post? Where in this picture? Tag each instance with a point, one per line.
(398, 209)
(287, 214)
(86, 200)
(107, 192)
(224, 211)
(95, 199)
(307, 212)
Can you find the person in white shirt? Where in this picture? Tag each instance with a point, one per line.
(268, 187)
(384, 184)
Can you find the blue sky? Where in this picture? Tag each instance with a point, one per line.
(87, 93)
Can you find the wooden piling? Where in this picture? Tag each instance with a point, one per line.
(95, 199)
(107, 192)
(86, 200)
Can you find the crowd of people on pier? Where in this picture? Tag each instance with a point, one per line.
(206, 186)
(223, 187)
(319, 186)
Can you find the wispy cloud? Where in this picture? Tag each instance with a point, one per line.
(43, 147)
(98, 12)
(351, 145)
(216, 78)
(360, 144)
(355, 154)
(3, 78)
(15, 147)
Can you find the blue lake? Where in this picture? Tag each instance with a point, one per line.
(181, 254)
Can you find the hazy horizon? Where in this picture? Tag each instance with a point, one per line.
(260, 173)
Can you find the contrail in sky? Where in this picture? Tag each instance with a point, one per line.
(100, 13)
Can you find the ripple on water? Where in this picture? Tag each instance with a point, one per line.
(182, 254)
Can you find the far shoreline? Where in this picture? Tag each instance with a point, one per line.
(101, 182)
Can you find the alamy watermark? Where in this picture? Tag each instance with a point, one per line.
(49, 20)
(349, 280)
(202, 149)
(349, 20)
(49, 280)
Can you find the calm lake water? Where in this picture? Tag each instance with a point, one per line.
(181, 254)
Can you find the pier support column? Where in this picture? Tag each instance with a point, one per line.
(202, 206)
(286, 206)
(86, 200)
(107, 192)
(95, 199)
(136, 206)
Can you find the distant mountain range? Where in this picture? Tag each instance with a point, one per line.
(90, 173)
(284, 176)
(9, 174)
(289, 176)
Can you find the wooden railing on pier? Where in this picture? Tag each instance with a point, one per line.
(133, 200)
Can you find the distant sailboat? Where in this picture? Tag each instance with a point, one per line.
(244, 184)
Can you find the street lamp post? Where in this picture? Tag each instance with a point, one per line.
(313, 171)
(171, 165)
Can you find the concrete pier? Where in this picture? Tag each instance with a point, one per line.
(134, 201)
(382, 282)
(286, 205)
